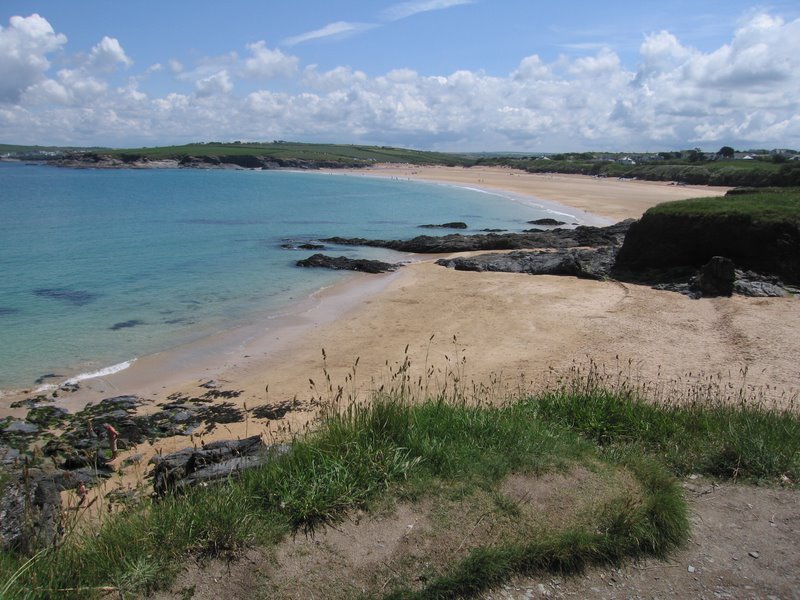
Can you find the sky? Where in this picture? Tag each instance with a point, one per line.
(449, 75)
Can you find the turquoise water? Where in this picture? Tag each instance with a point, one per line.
(98, 267)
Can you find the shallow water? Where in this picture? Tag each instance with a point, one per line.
(98, 267)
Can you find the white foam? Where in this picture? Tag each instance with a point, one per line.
(102, 372)
(47, 387)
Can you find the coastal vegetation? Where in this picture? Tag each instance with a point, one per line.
(757, 168)
(757, 230)
(467, 464)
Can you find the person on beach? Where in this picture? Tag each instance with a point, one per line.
(112, 434)
(82, 493)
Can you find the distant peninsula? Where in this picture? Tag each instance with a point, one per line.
(725, 167)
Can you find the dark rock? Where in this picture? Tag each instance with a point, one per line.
(662, 241)
(46, 416)
(759, 289)
(550, 222)
(716, 277)
(30, 512)
(41, 379)
(584, 263)
(126, 324)
(347, 264)
(21, 427)
(493, 230)
(9, 456)
(303, 246)
(583, 236)
(213, 461)
(451, 225)
(75, 297)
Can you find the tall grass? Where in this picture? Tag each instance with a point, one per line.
(706, 427)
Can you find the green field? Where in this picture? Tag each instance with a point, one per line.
(344, 153)
(762, 207)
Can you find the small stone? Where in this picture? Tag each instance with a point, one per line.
(691, 569)
(754, 554)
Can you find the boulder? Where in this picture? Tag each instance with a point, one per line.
(342, 263)
(547, 221)
(585, 263)
(214, 461)
(716, 277)
(30, 512)
(451, 225)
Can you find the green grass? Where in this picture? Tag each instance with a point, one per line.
(394, 449)
(764, 207)
(731, 173)
(343, 153)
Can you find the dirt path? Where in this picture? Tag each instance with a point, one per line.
(745, 544)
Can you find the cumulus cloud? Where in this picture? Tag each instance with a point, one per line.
(108, 54)
(24, 46)
(266, 63)
(218, 83)
(743, 93)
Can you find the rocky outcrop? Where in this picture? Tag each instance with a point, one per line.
(95, 160)
(548, 222)
(583, 236)
(30, 512)
(452, 225)
(213, 462)
(342, 263)
(662, 242)
(586, 263)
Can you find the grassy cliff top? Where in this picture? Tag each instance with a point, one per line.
(346, 153)
(769, 206)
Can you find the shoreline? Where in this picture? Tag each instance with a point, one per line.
(512, 328)
(597, 197)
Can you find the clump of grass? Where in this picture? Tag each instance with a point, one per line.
(708, 428)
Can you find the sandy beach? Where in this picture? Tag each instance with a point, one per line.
(498, 330)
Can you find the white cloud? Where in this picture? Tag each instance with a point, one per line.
(218, 83)
(24, 46)
(175, 66)
(743, 93)
(407, 9)
(337, 30)
(266, 63)
(107, 54)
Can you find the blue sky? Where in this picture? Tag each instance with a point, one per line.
(436, 74)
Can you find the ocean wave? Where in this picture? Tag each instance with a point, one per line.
(102, 372)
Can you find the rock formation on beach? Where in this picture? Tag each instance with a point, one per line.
(583, 236)
(342, 263)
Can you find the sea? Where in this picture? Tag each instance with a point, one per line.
(100, 267)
